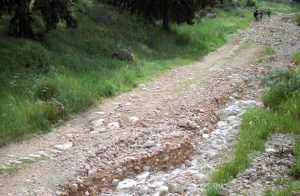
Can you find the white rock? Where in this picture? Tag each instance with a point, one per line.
(73, 187)
(176, 188)
(149, 144)
(146, 168)
(127, 183)
(142, 176)
(115, 182)
(222, 124)
(114, 125)
(65, 146)
(36, 156)
(97, 123)
(270, 150)
(133, 119)
(100, 113)
(199, 177)
(205, 136)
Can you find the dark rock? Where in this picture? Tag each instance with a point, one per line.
(123, 54)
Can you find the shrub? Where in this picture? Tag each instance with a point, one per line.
(274, 95)
(292, 105)
(34, 56)
(296, 170)
(250, 3)
(296, 58)
(46, 90)
(278, 75)
(182, 39)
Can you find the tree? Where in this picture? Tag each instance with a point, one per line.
(179, 11)
(52, 11)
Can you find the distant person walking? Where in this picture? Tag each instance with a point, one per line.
(256, 15)
(269, 13)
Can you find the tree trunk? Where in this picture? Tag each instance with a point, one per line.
(166, 16)
(20, 24)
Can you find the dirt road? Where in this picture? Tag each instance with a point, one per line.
(160, 138)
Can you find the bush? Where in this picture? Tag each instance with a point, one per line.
(278, 75)
(183, 39)
(292, 106)
(34, 56)
(250, 3)
(296, 58)
(274, 95)
(46, 90)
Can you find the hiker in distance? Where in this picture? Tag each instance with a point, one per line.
(269, 13)
(256, 15)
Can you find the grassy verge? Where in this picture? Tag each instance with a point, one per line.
(282, 115)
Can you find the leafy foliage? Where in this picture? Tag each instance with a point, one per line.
(21, 21)
(179, 11)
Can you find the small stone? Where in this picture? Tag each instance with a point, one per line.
(176, 188)
(64, 147)
(115, 182)
(205, 136)
(114, 125)
(73, 188)
(127, 183)
(146, 168)
(100, 113)
(133, 119)
(149, 144)
(270, 150)
(142, 176)
(97, 123)
(36, 156)
(183, 124)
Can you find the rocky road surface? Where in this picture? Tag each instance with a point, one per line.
(163, 138)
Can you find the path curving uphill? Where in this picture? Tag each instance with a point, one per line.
(164, 137)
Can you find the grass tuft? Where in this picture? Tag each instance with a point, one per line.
(212, 190)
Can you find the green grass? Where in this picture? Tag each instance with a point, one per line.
(297, 19)
(296, 170)
(296, 58)
(292, 189)
(212, 190)
(257, 126)
(265, 51)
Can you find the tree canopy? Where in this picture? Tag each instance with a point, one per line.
(21, 20)
(178, 11)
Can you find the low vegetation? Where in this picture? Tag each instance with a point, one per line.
(282, 112)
